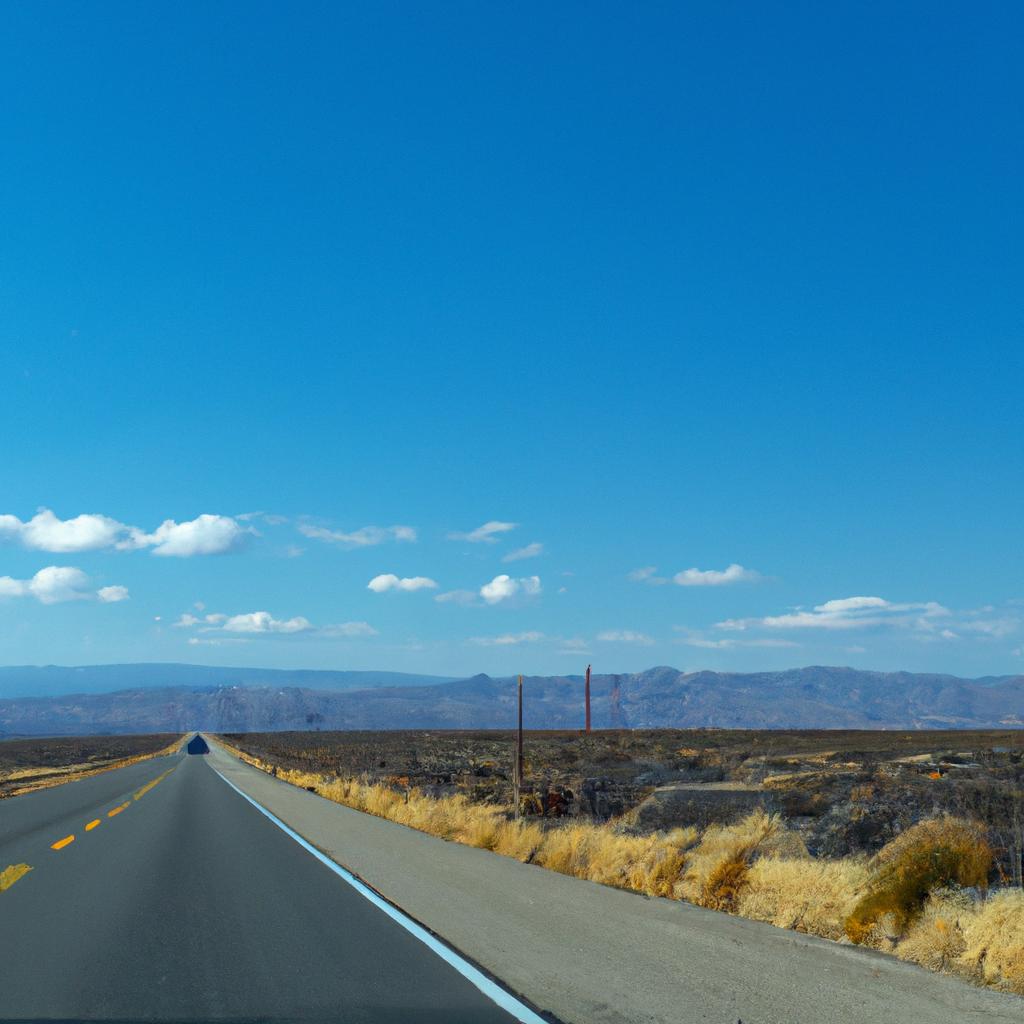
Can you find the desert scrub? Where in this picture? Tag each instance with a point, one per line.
(807, 895)
(934, 854)
(936, 939)
(994, 940)
(717, 868)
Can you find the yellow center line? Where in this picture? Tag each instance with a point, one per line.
(92, 824)
(117, 810)
(149, 785)
(11, 874)
(61, 843)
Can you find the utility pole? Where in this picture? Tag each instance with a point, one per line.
(517, 772)
(587, 693)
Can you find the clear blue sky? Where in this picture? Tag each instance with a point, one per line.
(670, 287)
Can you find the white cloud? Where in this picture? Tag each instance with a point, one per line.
(851, 604)
(647, 574)
(45, 532)
(485, 534)
(529, 551)
(508, 639)
(502, 587)
(625, 636)
(464, 597)
(389, 581)
(205, 535)
(56, 584)
(262, 623)
(849, 613)
(368, 536)
(715, 577)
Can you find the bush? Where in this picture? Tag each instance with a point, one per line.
(717, 868)
(814, 896)
(934, 854)
(994, 940)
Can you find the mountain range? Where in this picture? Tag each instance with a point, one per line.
(817, 697)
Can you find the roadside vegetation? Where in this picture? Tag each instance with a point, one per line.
(41, 762)
(932, 894)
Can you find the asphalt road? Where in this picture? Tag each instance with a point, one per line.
(178, 900)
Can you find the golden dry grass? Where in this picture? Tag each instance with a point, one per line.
(756, 868)
(813, 896)
(994, 940)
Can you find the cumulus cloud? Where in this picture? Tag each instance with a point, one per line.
(263, 623)
(715, 577)
(389, 581)
(59, 583)
(529, 551)
(45, 532)
(368, 536)
(205, 535)
(625, 636)
(508, 639)
(486, 534)
(502, 587)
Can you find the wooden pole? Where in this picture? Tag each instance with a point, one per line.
(517, 776)
(587, 692)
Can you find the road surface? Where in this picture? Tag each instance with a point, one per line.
(178, 900)
(196, 900)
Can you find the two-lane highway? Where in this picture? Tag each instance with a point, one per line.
(177, 899)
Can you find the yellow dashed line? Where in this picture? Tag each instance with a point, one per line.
(61, 843)
(149, 785)
(92, 824)
(116, 810)
(11, 874)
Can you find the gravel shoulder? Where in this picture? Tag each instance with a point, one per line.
(589, 954)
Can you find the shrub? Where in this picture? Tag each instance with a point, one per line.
(994, 940)
(814, 896)
(934, 854)
(936, 938)
(717, 868)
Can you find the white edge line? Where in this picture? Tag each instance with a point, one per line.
(508, 1002)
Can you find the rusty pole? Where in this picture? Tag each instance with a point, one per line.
(587, 693)
(517, 777)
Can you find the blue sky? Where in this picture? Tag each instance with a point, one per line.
(669, 288)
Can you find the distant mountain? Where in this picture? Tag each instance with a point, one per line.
(815, 697)
(54, 680)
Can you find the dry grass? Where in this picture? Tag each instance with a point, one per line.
(755, 868)
(994, 940)
(813, 896)
(931, 855)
